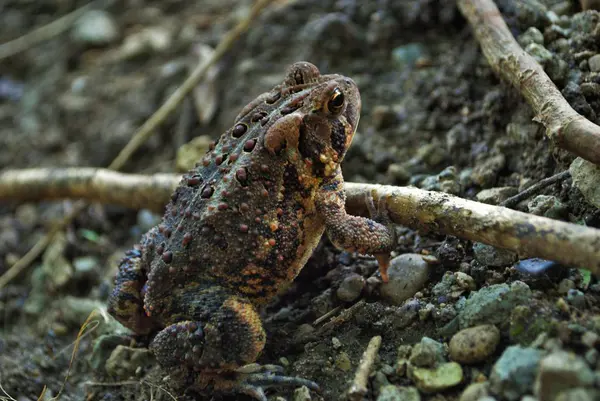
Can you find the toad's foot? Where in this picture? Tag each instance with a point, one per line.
(381, 215)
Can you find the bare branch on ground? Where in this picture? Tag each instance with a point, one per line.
(358, 389)
(564, 126)
(525, 234)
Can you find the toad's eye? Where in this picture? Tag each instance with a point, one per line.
(336, 101)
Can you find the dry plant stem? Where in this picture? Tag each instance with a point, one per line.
(358, 389)
(45, 32)
(534, 189)
(192, 80)
(525, 234)
(564, 126)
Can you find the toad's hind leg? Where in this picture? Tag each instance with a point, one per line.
(218, 337)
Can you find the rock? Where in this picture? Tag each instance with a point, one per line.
(408, 273)
(153, 39)
(586, 177)
(125, 361)
(193, 151)
(594, 63)
(95, 28)
(491, 256)
(514, 373)
(494, 196)
(405, 314)
(590, 339)
(103, 348)
(351, 287)
(87, 268)
(474, 344)
(302, 394)
(438, 379)
(475, 392)
(398, 173)
(379, 381)
(561, 371)
(408, 55)
(531, 35)
(493, 304)
(427, 353)
(404, 352)
(527, 322)
(446, 181)
(535, 266)
(453, 285)
(576, 298)
(485, 174)
(395, 393)
(578, 394)
(546, 205)
(342, 362)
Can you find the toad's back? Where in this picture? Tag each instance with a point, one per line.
(245, 217)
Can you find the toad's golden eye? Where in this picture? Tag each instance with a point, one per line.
(336, 101)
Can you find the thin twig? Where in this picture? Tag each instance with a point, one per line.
(525, 234)
(45, 32)
(564, 126)
(144, 132)
(175, 99)
(358, 389)
(326, 316)
(534, 189)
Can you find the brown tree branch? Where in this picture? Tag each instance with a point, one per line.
(525, 234)
(564, 126)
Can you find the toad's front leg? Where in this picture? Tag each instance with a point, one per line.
(211, 346)
(374, 236)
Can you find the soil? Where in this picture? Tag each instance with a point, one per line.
(430, 101)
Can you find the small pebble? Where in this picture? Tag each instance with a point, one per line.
(475, 391)
(95, 28)
(438, 379)
(494, 196)
(594, 63)
(407, 273)
(427, 353)
(351, 288)
(561, 371)
(474, 344)
(491, 256)
(534, 266)
(565, 286)
(576, 298)
(302, 394)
